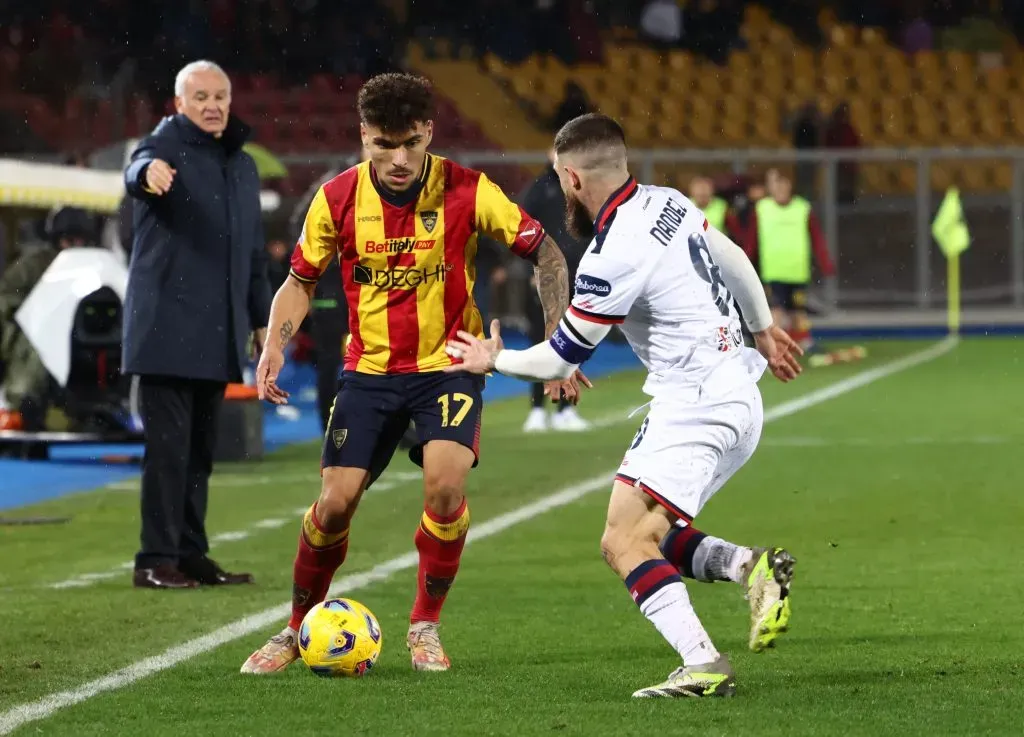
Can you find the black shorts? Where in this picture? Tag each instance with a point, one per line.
(786, 296)
(372, 412)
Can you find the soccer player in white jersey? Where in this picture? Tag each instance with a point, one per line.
(656, 268)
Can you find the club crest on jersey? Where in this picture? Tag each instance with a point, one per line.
(339, 436)
(429, 218)
(592, 285)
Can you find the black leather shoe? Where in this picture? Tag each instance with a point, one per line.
(208, 573)
(163, 576)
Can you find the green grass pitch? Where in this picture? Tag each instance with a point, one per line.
(901, 501)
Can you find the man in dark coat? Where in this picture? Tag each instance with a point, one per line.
(197, 288)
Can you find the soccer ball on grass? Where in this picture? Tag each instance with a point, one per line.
(340, 637)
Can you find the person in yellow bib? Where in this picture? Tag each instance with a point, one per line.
(716, 210)
(783, 236)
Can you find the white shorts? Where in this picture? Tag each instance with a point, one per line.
(684, 452)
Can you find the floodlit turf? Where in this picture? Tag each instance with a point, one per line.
(901, 501)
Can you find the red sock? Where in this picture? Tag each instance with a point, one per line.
(320, 554)
(440, 540)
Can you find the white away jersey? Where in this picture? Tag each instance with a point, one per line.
(650, 270)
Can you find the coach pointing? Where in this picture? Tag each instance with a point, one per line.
(197, 288)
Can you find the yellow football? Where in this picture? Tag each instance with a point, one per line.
(340, 637)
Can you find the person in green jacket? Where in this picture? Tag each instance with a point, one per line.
(25, 378)
(783, 237)
(716, 210)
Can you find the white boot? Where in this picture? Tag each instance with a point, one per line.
(536, 421)
(568, 420)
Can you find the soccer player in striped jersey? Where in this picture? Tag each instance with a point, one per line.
(404, 225)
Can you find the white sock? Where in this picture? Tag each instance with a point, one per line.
(716, 559)
(669, 610)
(740, 558)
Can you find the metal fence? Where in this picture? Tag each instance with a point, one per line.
(881, 243)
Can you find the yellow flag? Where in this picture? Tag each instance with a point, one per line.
(949, 227)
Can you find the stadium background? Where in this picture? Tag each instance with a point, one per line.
(891, 478)
(930, 89)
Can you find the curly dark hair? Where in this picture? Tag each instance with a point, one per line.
(395, 102)
(588, 131)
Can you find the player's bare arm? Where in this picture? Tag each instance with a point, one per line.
(552, 283)
(552, 274)
(290, 307)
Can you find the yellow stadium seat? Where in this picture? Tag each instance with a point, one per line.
(680, 62)
(842, 35)
(734, 107)
(668, 132)
(495, 65)
(896, 74)
(734, 133)
(1002, 176)
(995, 80)
(648, 63)
(958, 123)
(709, 82)
(835, 84)
(991, 130)
(941, 176)
(617, 59)
(871, 177)
(873, 38)
(906, 178)
(756, 16)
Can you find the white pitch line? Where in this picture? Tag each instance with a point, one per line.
(88, 579)
(48, 705)
(227, 480)
(809, 442)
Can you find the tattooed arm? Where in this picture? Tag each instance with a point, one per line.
(290, 307)
(552, 283)
(553, 287)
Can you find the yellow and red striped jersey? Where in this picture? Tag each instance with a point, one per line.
(408, 259)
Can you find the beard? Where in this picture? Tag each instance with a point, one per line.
(577, 219)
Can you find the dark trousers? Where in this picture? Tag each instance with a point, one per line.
(180, 428)
(537, 328)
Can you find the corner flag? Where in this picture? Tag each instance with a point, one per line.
(950, 232)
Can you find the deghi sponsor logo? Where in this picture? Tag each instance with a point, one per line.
(398, 245)
(400, 277)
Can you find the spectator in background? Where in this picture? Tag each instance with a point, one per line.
(278, 263)
(545, 201)
(661, 23)
(716, 209)
(586, 35)
(574, 104)
(491, 272)
(806, 135)
(841, 134)
(918, 35)
(783, 239)
(24, 380)
(197, 287)
(712, 28)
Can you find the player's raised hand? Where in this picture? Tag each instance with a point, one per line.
(160, 176)
(781, 352)
(267, 371)
(476, 356)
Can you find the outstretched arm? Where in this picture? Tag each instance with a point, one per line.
(556, 359)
